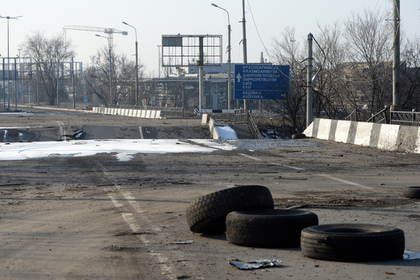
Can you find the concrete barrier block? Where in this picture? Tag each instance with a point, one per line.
(153, 114)
(204, 119)
(363, 133)
(143, 114)
(158, 114)
(215, 133)
(308, 130)
(342, 131)
(375, 134)
(381, 136)
(388, 137)
(417, 148)
(324, 129)
(147, 114)
(408, 137)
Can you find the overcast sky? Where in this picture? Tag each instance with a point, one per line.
(153, 19)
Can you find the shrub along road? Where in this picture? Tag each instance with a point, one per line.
(99, 217)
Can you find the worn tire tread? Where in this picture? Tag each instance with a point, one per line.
(207, 213)
(371, 243)
(276, 228)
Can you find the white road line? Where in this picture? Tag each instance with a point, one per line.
(323, 175)
(251, 157)
(141, 132)
(61, 126)
(132, 200)
(135, 227)
(289, 166)
(281, 164)
(346, 182)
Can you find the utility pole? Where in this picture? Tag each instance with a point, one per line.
(396, 90)
(309, 82)
(201, 73)
(246, 102)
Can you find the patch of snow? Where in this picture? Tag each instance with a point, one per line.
(226, 132)
(125, 149)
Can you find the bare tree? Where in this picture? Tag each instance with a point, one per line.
(49, 55)
(98, 77)
(287, 52)
(369, 49)
(353, 67)
(410, 74)
(329, 87)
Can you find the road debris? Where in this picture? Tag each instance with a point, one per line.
(408, 256)
(255, 264)
(182, 242)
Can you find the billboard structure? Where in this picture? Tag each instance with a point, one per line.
(186, 50)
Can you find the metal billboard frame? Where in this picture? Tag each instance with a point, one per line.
(186, 50)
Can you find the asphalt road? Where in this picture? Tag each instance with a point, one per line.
(98, 217)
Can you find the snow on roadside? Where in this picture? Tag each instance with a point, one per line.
(123, 148)
(226, 132)
(126, 148)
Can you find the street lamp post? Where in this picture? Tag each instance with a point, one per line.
(137, 64)
(8, 55)
(110, 69)
(229, 55)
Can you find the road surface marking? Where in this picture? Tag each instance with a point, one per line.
(141, 132)
(289, 166)
(323, 175)
(166, 267)
(136, 228)
(346, 182)
(61, 126)
(251, 157)
(132, 200)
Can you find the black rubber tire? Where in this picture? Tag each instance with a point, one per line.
(274, 228)
(412, 192)
(207, 213)
(352, 242)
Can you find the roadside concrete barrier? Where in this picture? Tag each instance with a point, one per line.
(382, 136)
(145, 114)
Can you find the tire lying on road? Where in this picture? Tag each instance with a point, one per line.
(273, 228)
(412, 192)
(352, 242)
(207, 213)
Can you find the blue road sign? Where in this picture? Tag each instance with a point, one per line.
(261, 81)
